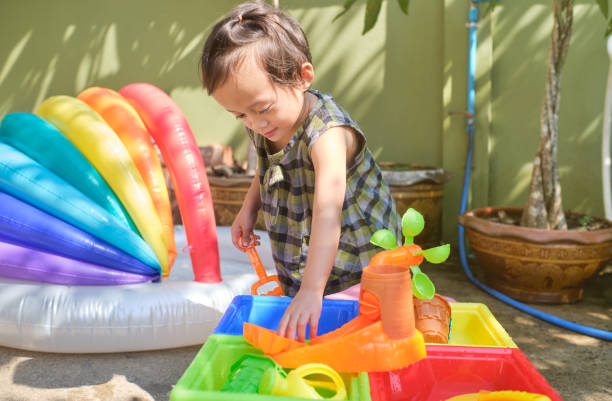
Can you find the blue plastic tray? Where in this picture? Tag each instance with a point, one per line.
(267, 312)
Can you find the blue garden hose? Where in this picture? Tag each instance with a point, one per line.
(586, 330)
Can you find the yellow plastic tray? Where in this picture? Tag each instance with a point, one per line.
(473, 324)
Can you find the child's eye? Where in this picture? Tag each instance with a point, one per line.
(267, 109)
(239, 116)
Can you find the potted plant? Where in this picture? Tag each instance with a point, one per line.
(532, 253)
(541, 253)
(432, 312)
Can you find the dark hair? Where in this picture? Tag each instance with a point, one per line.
(255, 29)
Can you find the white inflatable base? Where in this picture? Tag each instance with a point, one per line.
(93, 319)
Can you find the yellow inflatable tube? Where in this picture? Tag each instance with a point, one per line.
(103, 148)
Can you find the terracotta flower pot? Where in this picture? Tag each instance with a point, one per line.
(432, 318)
(535, 265)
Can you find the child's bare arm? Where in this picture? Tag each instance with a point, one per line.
(245, 220)
(329, 159)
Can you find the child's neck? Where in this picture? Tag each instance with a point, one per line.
(307, 105)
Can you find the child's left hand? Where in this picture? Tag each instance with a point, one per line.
(305, 308)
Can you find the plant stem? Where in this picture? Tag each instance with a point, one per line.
(544, 207)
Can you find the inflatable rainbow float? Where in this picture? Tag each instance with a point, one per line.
(87, 241)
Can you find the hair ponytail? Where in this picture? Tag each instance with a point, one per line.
(255, 29)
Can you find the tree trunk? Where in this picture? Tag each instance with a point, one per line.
(544, 208)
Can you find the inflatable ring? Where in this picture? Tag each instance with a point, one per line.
(82, 319)
(30, 182)
(128, 126)
(172, 134)
(99, 143)
(33, 136)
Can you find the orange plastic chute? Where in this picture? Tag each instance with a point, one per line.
(381, 338)
(365, 350)
(128, 126)
(267, 340)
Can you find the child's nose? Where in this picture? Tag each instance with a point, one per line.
(260, 125)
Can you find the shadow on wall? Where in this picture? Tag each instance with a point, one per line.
(63, 47)
(67, 46)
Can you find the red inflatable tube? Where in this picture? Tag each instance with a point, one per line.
(171, 132)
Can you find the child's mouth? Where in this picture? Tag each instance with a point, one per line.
(269, 133)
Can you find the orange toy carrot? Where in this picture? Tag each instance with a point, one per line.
(259, 269)
(401, 256)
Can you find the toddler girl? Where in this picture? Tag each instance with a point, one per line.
(317, 185)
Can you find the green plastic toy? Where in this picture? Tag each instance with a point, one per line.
(412, 225)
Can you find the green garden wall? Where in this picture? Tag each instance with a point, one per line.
(404, 82)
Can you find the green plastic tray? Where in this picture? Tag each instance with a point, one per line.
(211, 367)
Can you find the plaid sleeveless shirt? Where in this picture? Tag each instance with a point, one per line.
(287, 182)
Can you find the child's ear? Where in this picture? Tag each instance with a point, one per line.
(307, 74)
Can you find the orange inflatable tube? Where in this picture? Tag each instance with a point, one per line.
(128, 126)
(172, 134)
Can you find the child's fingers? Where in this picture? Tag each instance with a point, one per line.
(314, 326)
(301, 328)
(288, 325)
(282, 325)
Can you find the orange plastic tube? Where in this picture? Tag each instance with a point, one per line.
(401, 256)
(128, 126)
(392, 286)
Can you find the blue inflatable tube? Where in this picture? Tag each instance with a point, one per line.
(44, 143)
(22, 263)
(25, 225)
(27, 180)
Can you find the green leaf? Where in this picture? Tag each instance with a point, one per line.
(603, 6)
(438, 254)
(347, 5)
(412, 223)
(404, 5)
(384, 238)
(422, 287)
(371, 15)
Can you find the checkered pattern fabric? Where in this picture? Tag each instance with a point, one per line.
(287, 182)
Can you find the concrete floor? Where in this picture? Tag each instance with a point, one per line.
(578, 367)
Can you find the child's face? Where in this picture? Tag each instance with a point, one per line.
(269, 109)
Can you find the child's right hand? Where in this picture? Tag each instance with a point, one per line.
(242, 227)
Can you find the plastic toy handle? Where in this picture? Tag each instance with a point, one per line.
(259, 268)
(500, 396)
(336, 383)
(295, 384)
(256, 262)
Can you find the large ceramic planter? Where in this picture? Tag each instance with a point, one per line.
(420, 188)
(535, 265)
